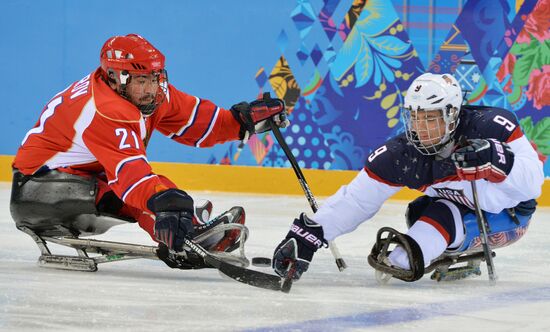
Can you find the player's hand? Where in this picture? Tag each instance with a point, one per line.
(173, 210)
(293, 255)
(172, 227)
(483, 159)
(254, 116)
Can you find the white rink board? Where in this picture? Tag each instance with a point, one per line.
(145, 295)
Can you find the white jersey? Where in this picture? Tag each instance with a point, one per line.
(398, 164)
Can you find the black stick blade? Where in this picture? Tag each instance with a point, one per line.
(251, 277)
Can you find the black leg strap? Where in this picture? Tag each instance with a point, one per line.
(378, 257)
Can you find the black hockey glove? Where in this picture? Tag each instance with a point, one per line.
(483, 159)
(253, 116)
(173, 209)
(297, 249)
(188, 261)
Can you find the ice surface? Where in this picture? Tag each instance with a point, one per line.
(145, 295)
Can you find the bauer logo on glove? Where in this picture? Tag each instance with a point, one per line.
(309, 237)
(297, 248)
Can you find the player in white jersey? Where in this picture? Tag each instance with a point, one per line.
(429, 158)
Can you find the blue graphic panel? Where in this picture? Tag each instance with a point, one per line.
(342, 66)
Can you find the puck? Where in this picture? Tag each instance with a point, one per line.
(261, 261)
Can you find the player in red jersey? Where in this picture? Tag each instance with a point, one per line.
(94, 135)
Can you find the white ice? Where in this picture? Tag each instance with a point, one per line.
(145, 295)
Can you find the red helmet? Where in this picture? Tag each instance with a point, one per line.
(124, 56)
(131, 53)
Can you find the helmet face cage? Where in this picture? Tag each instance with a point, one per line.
(431, 111)
(434, 136)
(161, 79)
(162, 92)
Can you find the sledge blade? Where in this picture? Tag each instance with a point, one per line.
(456, 273)
(67, 263)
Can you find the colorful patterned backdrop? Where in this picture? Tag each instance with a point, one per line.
(344, 67)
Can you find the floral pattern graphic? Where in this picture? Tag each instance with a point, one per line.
(362, 62)
(369, 52)
(284, 84)
(537, 24)
(539, 82)
(538, 134)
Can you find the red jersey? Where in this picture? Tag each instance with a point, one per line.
(89, 127)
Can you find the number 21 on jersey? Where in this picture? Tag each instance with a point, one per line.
(125, 142)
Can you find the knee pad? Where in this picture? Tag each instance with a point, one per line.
(416, 208)
(526, 208)
(109, 204)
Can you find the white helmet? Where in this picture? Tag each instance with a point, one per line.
(432, 92)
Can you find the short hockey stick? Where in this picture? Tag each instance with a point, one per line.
(481, 223)
(303, 183)
(240, 274)
(116, 251)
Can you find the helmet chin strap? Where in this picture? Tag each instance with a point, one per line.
(124, 80)
(147, 110)
(439, 150)
(446, 149)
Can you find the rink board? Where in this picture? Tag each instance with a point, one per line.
(252, 179)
